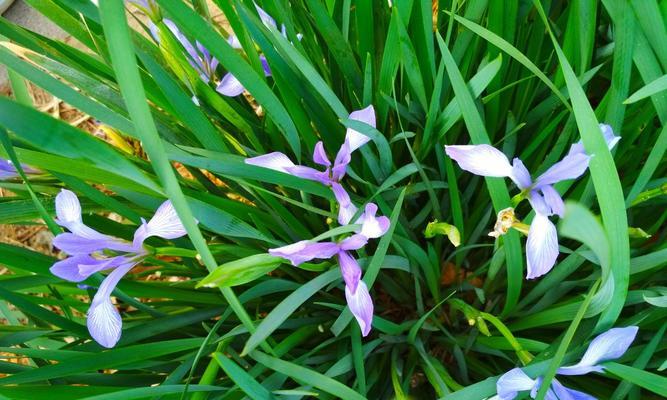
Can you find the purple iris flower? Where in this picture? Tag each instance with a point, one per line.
(333, 173)
(356, 292)
(607, 346)
(91, 251)
(229, 85)
(542, 242)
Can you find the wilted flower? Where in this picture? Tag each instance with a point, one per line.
(8, 170)
(332, 174)
(356, 291)
(607, 346)
(542, 243)
(90, 250)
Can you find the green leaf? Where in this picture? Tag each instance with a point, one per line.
(241, 271)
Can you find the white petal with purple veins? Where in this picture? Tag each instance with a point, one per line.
(483, 159)
(512, 382)
(68, 213)
(541, 246)
(361, 305)
(276, 161)
(356, 139)
(607, 346)
(354, 242)
(371, 226)
(104, 322)
(165, 224)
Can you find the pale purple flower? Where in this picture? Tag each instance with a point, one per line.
(607, 346)
(333, 172)
(89, 253)
(8, 170)
(542, 243)
(229, 85)
(356, 292)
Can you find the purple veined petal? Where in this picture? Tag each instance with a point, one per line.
(265, 65)
(185, 42)
(371, 226)
(4, 174)
(75, 244)
(354, 242)
(512, 382)
(361, 305)
(320, 156)
(68, 269)
(607, 346)
(104, 322)
(520, 175)
(354, 138)
(483, 159)
(230, 86)
(310, 174)
(564, 393)
(305, 250)
(350, 270)
(570, 167)
(267, 20)
(553, 200)
(541, 246)
(276, 161)
(550, 395)
(154, 31)
(346, 209)
(87, 269)
(165, 224)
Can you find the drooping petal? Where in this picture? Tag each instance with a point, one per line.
(565, 393)
(356, 139)
(520, 174)
(512, 382)
(483, 159)
(371, 226)
(104, 322)
(541, 246)
(354, 242)
(538, 203)
(361, 305)
(69, 268)
(553, 200)
(184, 41)
(305, 250)
(7, 170)
(276, 161)
(349, 268)
(570, 167)
(230, 86)
(607, 346)
(346, 209)
(165, 224)
(320, 156)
